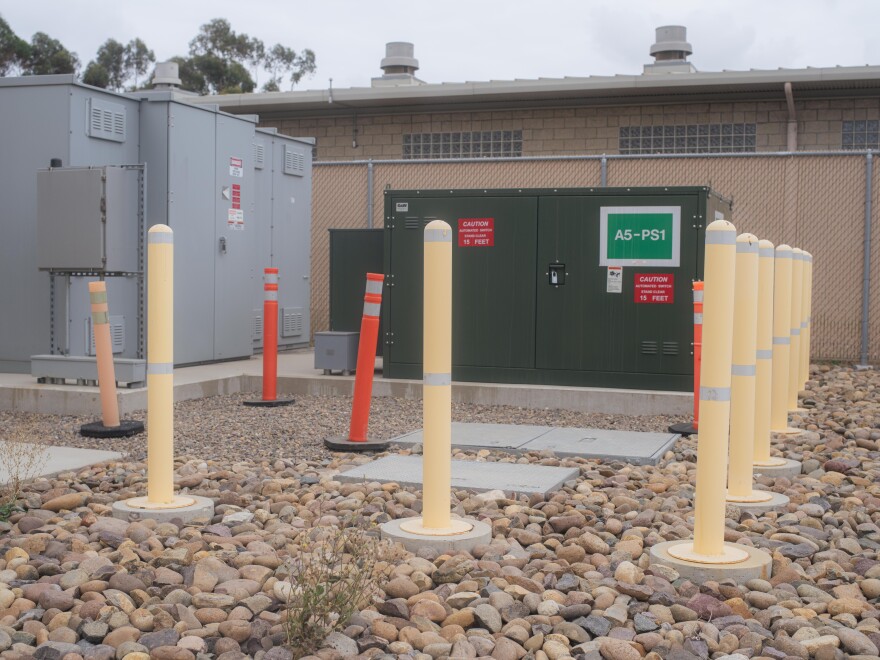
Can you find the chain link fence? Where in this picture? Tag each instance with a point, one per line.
(816, 202)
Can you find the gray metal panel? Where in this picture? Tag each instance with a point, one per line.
(70, 231)
(262, 225)
(191, 211)
(121, 238)
(121, 300)
(88, 150)
(85, 368)
(35, 128)
(336, 350)
(235, 268)
(291, 233)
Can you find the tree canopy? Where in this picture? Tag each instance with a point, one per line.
(219, 61)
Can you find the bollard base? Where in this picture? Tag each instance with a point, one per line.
(788, 430)
(797, 411)
(480, 533)
(771, 502)
(757, 564)
(344, 444)
(685, 428)
(185, 508)
(789, 469)
(126, 428)
(273, 403)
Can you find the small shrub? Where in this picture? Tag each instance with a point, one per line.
(332, 577)
(22, 459)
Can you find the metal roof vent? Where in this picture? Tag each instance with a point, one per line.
(398, 66)
(166, 76)
(670, 51)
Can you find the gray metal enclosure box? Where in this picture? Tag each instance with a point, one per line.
(283, 180)
(200, 179)
(47, 117)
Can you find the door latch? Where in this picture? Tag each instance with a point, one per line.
(222, 245)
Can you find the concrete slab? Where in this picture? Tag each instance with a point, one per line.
(633, 447)
(479, 534)
(197, 508)
(637, 448)
(297, 376)
(757, 565)
(484, 436)
(62, 459)
(471, 475)
(788, 469)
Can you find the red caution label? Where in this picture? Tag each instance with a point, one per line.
(476, 232)
(654, 288)
(236, 196)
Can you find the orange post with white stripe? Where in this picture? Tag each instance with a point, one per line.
(366, 359)
(270, 334)
(104, 353)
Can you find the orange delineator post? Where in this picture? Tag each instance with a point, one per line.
(104, 353)
(270, 334)
(366, 359)
(698, 348)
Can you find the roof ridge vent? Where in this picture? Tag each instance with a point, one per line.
(670, 51)
(398, 66)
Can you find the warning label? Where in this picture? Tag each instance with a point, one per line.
(236, 195)
(654, 288)
(476, 232)
(614, 280)
(236, 167)
(235, 219)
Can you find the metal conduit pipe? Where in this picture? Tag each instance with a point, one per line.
(792, 119)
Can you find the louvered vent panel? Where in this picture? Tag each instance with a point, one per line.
(670, 348)
(291, 321)
(294, 162)
(258, 325)
(649, 348)
(259, 156)
(412, 223)
(106, 120)
(117, 335)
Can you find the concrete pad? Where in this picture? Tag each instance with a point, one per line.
(63, 459)
(790, 469)
(776, 501)
(627, 446)
(201, 507)
(484, 436)
(479, 534)
(633, 447)
(757, 565)
(471, 475)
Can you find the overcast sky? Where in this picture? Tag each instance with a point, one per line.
(480, 39)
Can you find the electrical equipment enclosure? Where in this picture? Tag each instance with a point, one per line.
(336, 351)
(580, 287)
(353, 254)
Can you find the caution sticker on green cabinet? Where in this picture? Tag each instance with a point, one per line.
(640, 236)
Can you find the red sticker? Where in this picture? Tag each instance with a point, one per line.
(476, 232)
(654, 288)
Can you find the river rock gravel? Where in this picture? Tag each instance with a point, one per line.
(565, 576)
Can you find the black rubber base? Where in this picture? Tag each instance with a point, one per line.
(685, 428)
(126, 428)
(344, 444)
(276, 403)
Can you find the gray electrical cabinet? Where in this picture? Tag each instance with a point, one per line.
(283, 181)
(128, 162)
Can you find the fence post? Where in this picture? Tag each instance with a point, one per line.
(603, 172)
(370, 194)
(866, 261)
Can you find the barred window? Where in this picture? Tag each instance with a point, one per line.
(858, 135)
(688, 139)
(466, 144)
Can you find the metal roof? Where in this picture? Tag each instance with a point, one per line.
(592, 90)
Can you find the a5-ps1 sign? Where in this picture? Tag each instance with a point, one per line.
(476, 232)
(654, 288)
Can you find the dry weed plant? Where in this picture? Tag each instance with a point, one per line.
(333, 575)
(22, 457)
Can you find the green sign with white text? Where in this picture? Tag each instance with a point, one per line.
(640, 236)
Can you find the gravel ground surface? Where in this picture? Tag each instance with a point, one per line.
(222, 426)
(563, 577)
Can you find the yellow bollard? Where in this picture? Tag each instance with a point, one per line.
(160, 374)
(794, 364)
(104, 353)
(806, 313)
(437, 389)
(743, 370)
(781, 341)
(764, 356)
(708, 546)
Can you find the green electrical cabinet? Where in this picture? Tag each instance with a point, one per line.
(584, 287)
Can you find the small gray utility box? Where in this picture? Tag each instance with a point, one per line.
(336, 351)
